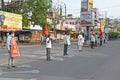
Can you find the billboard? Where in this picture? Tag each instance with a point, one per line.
(10, 21)
(90, 5)
(87, 19)
(96, 11)
(84, 5)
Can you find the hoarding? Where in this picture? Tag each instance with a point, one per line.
(90, 5)
(87, 19)
(96, 11)
(84, 5)
(10, 21)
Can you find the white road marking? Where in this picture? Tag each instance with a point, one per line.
(53, 58)
(27, 66)
(20, 72)
(15, 79)
(69, 56)
(30, 56)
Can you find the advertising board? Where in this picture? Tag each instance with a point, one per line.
(87, 19)
(10, 21)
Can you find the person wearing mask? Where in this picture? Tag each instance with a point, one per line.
(8, 45)
(66, 43)
(80, 42)
(92, 39)
(48, 47)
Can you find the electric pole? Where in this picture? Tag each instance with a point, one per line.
(2, 1)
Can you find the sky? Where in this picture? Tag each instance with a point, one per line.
(111, 8)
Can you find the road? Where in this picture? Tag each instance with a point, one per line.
(101, 63)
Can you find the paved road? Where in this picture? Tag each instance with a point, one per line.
(101, 63)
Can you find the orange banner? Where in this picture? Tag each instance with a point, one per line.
(46, 31)
(14, 48)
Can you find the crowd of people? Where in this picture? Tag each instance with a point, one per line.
(94, 38)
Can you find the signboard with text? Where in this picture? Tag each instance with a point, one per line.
(87, 19)
(84, 5)
(90, 5)
(10, 21)
(96, 12)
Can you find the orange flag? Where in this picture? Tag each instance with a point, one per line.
(101, 32)
(14, 48)
(45, 30)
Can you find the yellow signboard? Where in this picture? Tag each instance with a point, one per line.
(10, 21)
(90, 5)
(102, 23)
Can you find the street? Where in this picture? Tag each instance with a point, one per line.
(101, 63)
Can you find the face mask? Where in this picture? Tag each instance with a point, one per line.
(13, 35)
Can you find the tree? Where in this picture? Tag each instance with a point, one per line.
(39, 10)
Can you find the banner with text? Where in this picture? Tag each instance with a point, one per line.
(87, 19)
(10, 21)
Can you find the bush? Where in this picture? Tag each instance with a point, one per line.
(113, 35)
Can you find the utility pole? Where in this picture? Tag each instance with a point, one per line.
(2, 1)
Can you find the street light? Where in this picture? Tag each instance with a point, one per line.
(62, 4)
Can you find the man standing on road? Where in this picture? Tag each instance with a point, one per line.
(8, 45)
(92, 39)
(48, 47)
(80, 42)
(66, 43)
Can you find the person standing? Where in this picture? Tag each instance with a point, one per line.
(96, 39)
(80, 42)
(92, 39)
(66, 43)
(8, 45)
(43, 38)
(48, 47)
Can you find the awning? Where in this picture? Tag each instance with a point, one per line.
(36, 27)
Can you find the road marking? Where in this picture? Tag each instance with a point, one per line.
(3, 64)
(30, 56)
(27, 66)
(53, 58)
(15, 79)
(69, 56)
(1, 72)
(25, 72)
(57, 54)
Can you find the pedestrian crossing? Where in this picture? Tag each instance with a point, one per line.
(54, 56)
(15, 79)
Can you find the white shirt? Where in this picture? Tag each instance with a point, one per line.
(8, 41)
(92, 38)
(48, 43)
(80, 40)
(66, 39)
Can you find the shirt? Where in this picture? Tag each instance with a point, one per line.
(48, 43)
(92, 38)
(8, 41)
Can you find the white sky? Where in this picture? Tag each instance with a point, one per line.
(111, 7)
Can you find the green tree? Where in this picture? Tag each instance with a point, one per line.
(39, 10)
